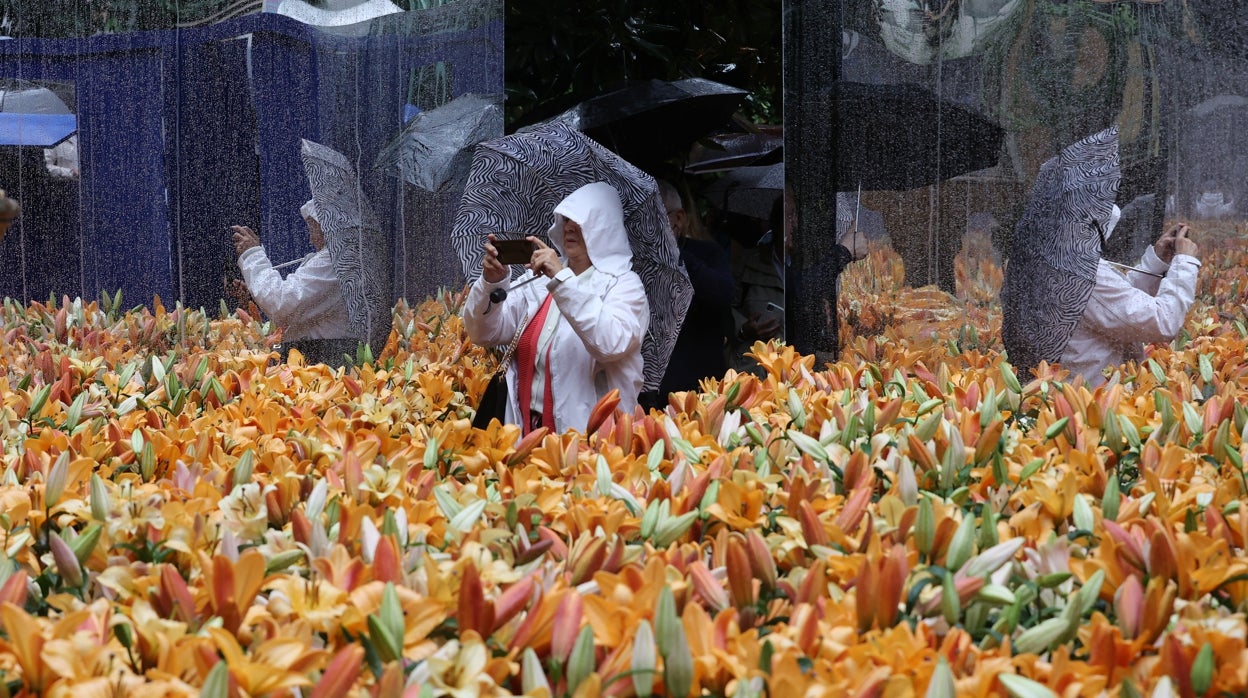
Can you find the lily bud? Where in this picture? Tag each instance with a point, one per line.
(666, 621)
(762, 564)
(1022, 687)
(566, 626)
(950, 605)
(678, 664)
(673, 527)
(1203, 670)
(57, 476)
(1084, 520)
(925, 527)
(581, 661)
(740, 576)
(1128, 606)
(1111, 499)
(85, 543)
(992, 559)
(532, 676)
(643, 664)
(963, 544)
(942, 684)
(1040, 638)
(66, 562)
(100, 503)
(649, 518)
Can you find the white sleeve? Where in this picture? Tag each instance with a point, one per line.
(611, 327)
(1119, 310)
(492, 324)
(296, 298)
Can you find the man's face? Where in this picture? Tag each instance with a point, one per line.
(315, 235)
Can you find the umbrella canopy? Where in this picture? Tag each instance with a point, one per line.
(750, 191)
(1057, 249)
(22, 97)
(34, 116)
(726, 151)
(356, 244)
(434, 150)
(897, 137)
(36, 130)
(753, 191)
(648, 122)
(516, 182)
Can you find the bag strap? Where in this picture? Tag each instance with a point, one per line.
(511, 348)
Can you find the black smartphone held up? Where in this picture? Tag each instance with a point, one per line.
(514, 251)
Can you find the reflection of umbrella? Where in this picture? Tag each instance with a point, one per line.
(516, 182)
(897, 137)
(750, 191)
(753, 191)
(728, 150)
(25, 98)
(434, 150)
(647, 122)
(1057, 249)
(355, 242)
(33, 116)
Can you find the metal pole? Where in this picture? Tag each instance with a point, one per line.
(812, 65)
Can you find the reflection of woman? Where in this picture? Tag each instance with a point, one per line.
(581, 330)
(308, 303)
(1129, 307)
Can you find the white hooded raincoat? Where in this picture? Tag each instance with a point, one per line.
(1127, 309)
(603, 312)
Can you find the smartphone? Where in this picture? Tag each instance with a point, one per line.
(514, 251)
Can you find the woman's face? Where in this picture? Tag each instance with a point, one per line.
(573, 242)
(315, 236)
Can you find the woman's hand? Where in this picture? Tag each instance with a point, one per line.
(492, 270)
(545, 260)
(1175, 241)
(1183, 243)
(244, 239)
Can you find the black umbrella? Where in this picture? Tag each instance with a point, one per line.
(648, 122)
(356, 244)
(1057, 249)
(516, 182)
(434, 150)
(898, 137)
(749, 191)
(726, 151)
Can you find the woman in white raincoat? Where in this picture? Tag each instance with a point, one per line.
(581, 330)
(308, 303)
(1133, 306)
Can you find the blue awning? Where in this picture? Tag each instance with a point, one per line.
(36, 130)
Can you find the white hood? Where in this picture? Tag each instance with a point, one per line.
(596, 207)
(1115, 215)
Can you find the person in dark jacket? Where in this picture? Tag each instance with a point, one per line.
(700, 347)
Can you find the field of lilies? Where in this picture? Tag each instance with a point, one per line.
(181, 516)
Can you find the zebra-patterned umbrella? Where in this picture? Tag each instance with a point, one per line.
(1057, 248)
(356, 244)
(513, 187)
